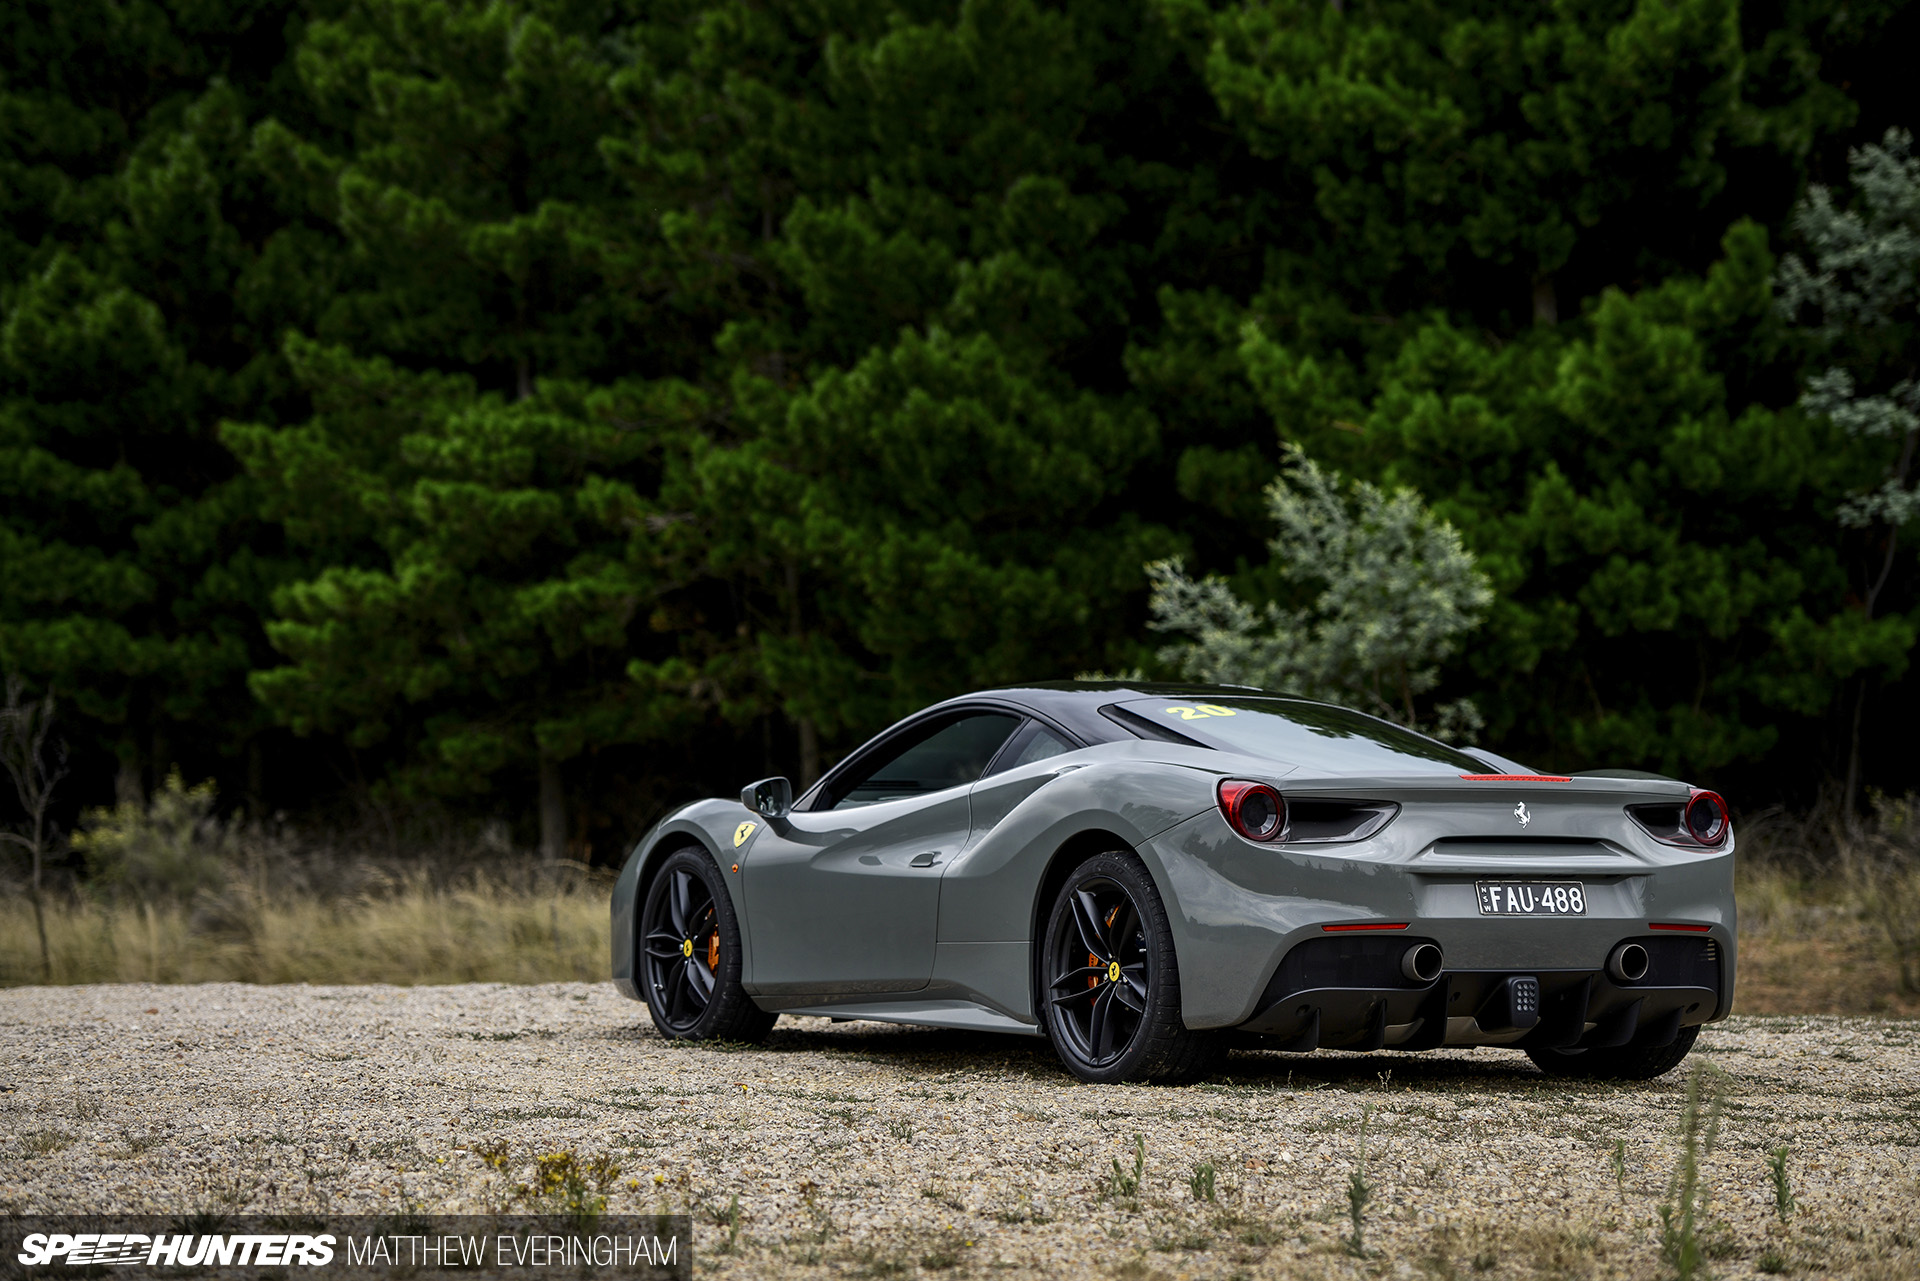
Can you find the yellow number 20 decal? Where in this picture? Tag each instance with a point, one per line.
(741, 833)
(1199, 711)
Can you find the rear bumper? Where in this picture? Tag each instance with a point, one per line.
(1346, 992)
(1239, 911)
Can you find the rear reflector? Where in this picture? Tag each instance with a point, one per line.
(1368, 925)
(1690, 929)
(1517, 778)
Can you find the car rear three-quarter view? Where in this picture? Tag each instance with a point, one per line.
(1147, 875)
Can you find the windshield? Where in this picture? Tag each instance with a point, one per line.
(1314, 736)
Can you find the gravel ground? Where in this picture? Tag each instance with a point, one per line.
(862, 1149)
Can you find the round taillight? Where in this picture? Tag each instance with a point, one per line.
(1254, 810)
(1706, 818)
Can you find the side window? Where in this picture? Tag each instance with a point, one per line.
(1036, 743)
(954, 754)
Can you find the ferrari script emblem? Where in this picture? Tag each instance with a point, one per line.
(741, 833)
(1520, 812)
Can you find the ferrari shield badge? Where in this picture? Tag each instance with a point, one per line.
(741, 833)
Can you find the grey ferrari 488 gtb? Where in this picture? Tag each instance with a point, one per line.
(1146, 874)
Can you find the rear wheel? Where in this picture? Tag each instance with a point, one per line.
(1112, 1000)
(1625, 1063)
(690, 955)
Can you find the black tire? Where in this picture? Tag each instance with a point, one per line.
(1116, 1016)
(1624, 1063)
(689, 962)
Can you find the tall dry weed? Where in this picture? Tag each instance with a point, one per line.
(1881, 869)
(178, 894)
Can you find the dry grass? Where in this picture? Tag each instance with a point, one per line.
(483, 931)
(177, 894)
(1808, 946)
(1828, 913)
(1805, 946)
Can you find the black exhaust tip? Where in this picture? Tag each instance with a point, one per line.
(1627, 963)
(1422, 962)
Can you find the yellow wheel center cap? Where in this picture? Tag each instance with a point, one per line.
(1113, 971)
(686, 948)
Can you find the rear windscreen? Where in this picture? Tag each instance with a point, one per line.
(1315, 736)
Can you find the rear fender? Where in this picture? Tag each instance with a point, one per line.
(1032, 826)
(989, 893)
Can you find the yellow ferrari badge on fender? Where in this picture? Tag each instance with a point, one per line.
(741, 833)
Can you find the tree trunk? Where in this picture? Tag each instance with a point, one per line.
(1546, 301)
(553, 811)
(1849, 813)
(46, 953)
(127, 789)
(256, 779)
(39, 917)
(809, 753)
(809, 732)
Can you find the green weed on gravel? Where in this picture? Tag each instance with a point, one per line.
(1681, 1241)
(1126, 1184)
(1359, 1191)
(46, 1142)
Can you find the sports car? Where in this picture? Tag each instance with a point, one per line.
(1148, 874)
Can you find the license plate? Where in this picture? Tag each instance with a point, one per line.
(1532, 898)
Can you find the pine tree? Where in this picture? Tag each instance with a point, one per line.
(136, 310)
(1861, 291)
(1495, 272)
(484, 410)
(919, 486)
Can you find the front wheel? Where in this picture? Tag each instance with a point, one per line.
(1111, 1005)
(1623, 1063)
(690, 956)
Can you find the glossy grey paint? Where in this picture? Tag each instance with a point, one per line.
(846, 901)
(837, 920)
(1241, 906)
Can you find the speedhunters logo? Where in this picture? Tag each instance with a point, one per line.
(475, 1245)
(178, 1250)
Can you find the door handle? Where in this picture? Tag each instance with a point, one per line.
(930, 859)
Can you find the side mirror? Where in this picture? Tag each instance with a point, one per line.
(769, 798)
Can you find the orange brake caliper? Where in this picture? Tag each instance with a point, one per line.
(713, 951)
(1093, 980)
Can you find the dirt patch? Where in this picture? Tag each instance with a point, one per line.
(859, 1149)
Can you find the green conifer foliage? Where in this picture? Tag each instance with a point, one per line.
(134, 314)
(1496, 274)
(1861, 293)
(491, 631)
(510, 396)
(919, 489)
(467, 486)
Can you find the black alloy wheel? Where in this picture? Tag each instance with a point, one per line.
(1111, 1004)
(690, 955)
(1099, 987)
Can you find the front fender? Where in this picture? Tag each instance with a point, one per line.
(708, 824)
